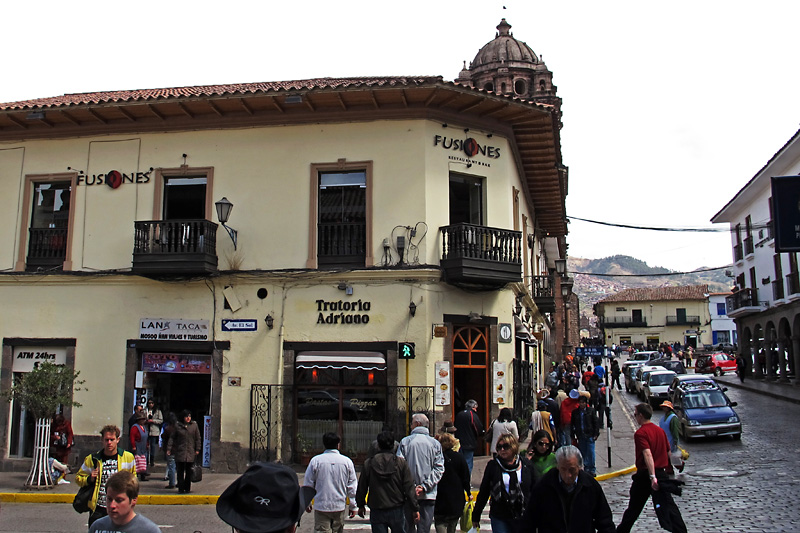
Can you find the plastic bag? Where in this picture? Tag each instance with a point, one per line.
(466, 517)
(684, 453)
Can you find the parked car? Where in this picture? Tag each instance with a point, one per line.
(629, 369)
(655, 388)
(704, 410)
(670, 364)
(715, 363)
(681, 380)
(641, 376)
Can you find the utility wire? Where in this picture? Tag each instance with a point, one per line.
(693, 230)
(651, 275)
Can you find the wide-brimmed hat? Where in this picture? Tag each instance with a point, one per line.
(574, 394)
(542, 394)
(448, 427)
(140, 416)
(666, 403)
(266, 498)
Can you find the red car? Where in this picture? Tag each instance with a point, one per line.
(716, 363)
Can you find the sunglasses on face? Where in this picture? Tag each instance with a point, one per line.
(543, 443)
(503, 446)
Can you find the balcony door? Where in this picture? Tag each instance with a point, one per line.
(342, 224)
(185, 198)
(466, 200)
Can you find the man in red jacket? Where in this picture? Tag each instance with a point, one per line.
(652, 463)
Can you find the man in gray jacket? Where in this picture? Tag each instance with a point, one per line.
(426, 461)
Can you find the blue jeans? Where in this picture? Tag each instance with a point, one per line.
(564, 433)
(425, 518)
(171, 472)
(468, 455)
(382, 520)
(586, 446)
(502, 526)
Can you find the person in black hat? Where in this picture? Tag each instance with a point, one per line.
(265, 499)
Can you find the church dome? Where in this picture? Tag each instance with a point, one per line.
(504, 49)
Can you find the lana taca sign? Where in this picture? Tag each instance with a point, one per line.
(469, 146)
(173, 329)
(341, 312)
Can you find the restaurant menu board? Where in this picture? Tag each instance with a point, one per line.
(443, 383)
(499, 383)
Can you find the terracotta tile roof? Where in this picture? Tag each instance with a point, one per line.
(217, 90)
(690, 292)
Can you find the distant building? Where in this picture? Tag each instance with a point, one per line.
(765, 304)
(646, 317)
(723, 327)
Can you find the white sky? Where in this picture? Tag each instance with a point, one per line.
(669, 108)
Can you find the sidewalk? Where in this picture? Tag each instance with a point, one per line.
(207, 491)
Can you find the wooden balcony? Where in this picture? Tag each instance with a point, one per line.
(543, 291)
(47, 249)
(621, 322)
(481, 256)
(341, 245)
(687, 320)
(742, 303)
(175, 247)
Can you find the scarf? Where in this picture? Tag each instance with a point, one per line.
(514, 497)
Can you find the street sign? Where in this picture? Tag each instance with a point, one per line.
(591, 351)
(239, 325)
(405, 350)
(504, 332)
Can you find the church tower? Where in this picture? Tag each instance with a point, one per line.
(510, 67)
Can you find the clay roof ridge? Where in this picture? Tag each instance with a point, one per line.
(126, 95)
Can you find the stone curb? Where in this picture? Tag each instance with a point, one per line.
(602, 477)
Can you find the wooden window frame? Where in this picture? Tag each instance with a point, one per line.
(341, 165)
(183, 171)
(27, 198)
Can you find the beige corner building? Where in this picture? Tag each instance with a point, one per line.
(366, 220)
(646, 317)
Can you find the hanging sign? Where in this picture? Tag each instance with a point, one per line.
(443, 383)
(176, 363)
(499, 383)
(173, 329)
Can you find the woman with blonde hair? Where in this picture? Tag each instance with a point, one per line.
(455, 483)
(508, 479)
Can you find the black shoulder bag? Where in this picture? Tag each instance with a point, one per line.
(84, 496)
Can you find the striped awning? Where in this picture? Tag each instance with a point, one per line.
(341, 360)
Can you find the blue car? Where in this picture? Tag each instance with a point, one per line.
(704, 410)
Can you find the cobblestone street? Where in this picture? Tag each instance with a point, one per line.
(747, 485)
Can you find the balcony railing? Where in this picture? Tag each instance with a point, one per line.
(738, 252)
(622, 321)
(793, 283)
(47, 248)
(543, 290)
(777, 290)
(687, 320)
(744, 301)
(480, 255)
(175, 247)
(341, 245)
(748, 246)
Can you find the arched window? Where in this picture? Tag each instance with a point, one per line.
(519, 87)
(488, 87)
(542, 85)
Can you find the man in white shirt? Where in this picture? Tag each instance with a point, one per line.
(333, 476)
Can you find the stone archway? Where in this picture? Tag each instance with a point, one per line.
(759, 351)
(770, 350)
(747, 351)
(784, 348)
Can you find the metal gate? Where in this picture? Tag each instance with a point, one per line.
(273, 421)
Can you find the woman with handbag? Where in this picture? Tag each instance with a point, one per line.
(185, 444)
(452, 488)
(139, 446)
(504, 425)
(508, 479)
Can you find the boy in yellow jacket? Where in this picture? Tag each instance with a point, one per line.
(98, 467)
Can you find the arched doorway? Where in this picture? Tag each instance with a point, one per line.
(470, 350)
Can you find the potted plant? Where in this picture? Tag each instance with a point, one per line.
(41, 392)
(304, 453)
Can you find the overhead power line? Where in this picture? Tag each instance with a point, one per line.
(651, 228)
(651, 275)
